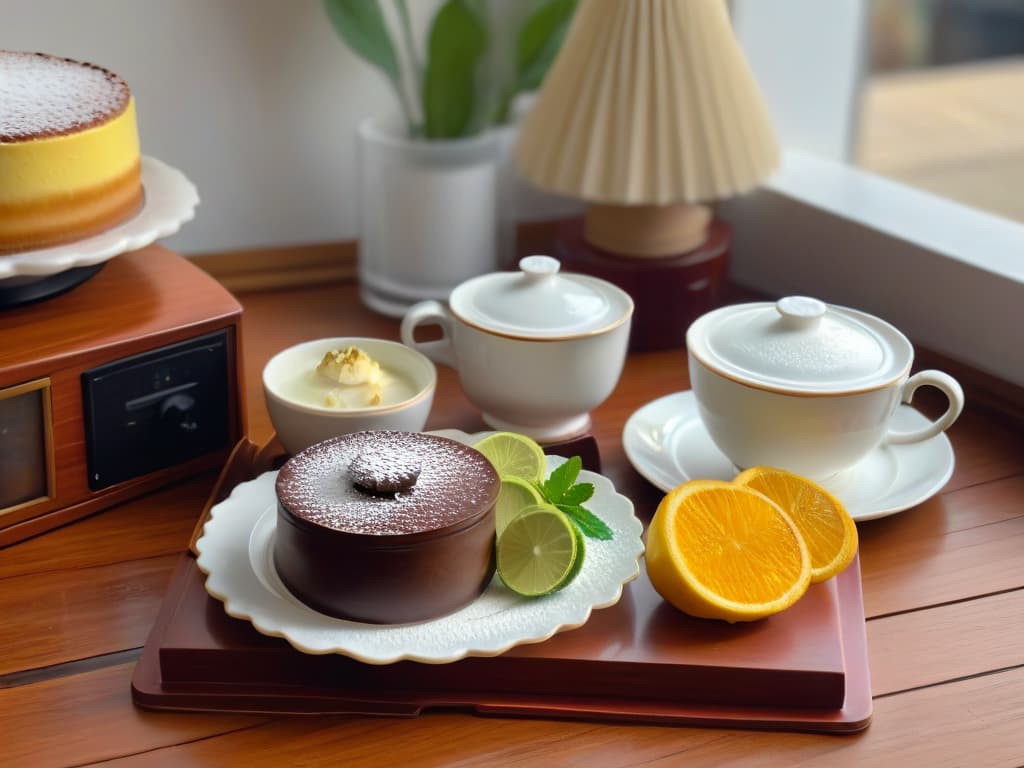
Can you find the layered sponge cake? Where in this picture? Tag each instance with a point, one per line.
(69, 151)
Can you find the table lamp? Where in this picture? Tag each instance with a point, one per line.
(649, 113)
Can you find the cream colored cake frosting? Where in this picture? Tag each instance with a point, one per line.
(69, 151)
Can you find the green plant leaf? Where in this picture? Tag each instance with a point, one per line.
(457, 40)
(540, 40)
(561, 479)
(578, 494)
(590, 524)
(360, 23)
(405, 25)
(562, 490)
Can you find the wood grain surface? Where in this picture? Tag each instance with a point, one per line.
(142, 301)
(943, 587)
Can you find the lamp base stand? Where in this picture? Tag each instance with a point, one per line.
(669, 292)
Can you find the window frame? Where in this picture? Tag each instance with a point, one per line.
(949, 276)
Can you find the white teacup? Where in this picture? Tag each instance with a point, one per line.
(535, 350)
(805, 386)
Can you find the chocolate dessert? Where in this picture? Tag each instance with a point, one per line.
(386, 527)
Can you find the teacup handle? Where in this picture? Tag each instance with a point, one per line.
(949, 386)
(430, 313)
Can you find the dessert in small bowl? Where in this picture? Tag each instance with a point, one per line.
(386, 527)
(328, 387)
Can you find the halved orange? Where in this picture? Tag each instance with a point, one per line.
(829, 532)
(722, 551)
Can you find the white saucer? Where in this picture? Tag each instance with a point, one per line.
(171, 200)
(235, 553)
(666, 442)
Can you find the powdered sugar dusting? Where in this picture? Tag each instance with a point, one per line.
(455, 483)
(43, 95)
(236, 553)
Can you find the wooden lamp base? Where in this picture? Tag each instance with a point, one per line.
(670, 292)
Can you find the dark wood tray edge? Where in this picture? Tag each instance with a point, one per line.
(249, 460)
(149, 692)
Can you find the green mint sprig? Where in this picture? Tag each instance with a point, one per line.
(562, 490)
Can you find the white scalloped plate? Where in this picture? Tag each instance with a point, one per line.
(235, 554)
(171, 200)
(667, 443)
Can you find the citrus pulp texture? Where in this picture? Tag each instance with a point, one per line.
(537, 552)
(827, 528)
(722, 551)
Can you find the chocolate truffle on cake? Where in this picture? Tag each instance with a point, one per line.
(386, 527)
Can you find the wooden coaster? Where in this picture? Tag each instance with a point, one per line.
(584, 446)
(669, 292)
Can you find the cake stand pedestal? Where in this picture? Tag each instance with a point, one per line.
(30, 276)
(18, 291)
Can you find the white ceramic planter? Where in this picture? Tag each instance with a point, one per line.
(429, 213)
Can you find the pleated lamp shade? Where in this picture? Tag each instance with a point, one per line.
(650, 102)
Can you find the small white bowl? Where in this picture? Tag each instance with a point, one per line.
(302, 424)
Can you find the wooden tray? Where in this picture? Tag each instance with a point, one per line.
(805, 669)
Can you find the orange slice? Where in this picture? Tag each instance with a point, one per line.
(829, 532)
(722, 551)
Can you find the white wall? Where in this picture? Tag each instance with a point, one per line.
(255, 100)
(809, 58)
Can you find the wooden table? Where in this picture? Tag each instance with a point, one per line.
(943, 587)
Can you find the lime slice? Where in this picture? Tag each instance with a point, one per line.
(581, 553)
(515, 495)
(514, 455)
(537, 552)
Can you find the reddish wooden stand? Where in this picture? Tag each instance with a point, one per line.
(584, 446)
(669, 293)
(804, 669)
(138, 302)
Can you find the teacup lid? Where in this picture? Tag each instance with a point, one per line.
(800, 344)
(539, 302)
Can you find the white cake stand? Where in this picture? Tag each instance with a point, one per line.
(170, 201)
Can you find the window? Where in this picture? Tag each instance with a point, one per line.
(949, 275)
(940, 107)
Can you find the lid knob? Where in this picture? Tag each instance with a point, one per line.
(801, 311)
(539, 267)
